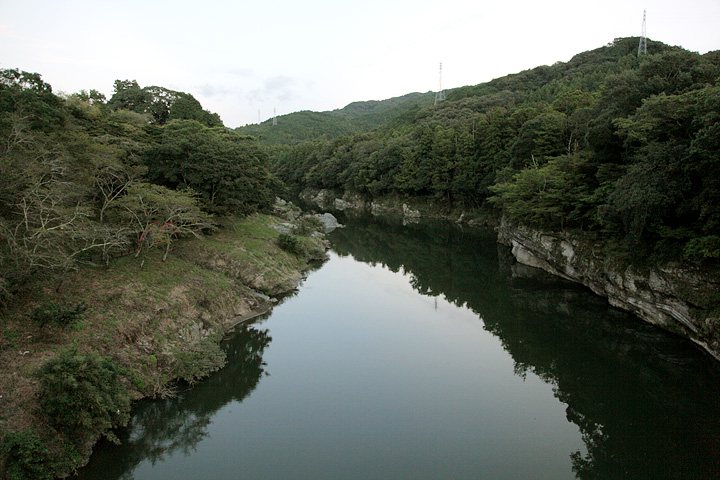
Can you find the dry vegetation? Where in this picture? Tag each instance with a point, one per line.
(158, 321)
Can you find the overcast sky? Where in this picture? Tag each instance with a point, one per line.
(239, 58)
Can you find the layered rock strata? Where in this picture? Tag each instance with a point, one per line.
(673, 297)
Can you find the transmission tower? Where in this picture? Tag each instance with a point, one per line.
(274, 116)
(440, 95)
(642, 47)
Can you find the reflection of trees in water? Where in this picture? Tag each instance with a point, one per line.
(176, 425)
(644, 400)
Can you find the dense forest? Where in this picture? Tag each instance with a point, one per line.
(613, 144)
(84, 178)
(622, 146)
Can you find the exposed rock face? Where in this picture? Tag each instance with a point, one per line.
(349, 201)
(672, 297)
(410, 213)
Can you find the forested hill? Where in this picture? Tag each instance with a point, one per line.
(613, 144)
(82, 178)
(355, 118)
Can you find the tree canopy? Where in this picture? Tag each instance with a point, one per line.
(622, 146)
(83, 179)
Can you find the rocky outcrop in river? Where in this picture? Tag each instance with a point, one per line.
(674, 297)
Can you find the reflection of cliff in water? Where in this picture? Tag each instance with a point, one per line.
(645, 400)
(176, 425)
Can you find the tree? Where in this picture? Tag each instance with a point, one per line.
(229, 171)
(186, 107)
(670, 188)
(113, 169)
(46, 222)
(92, 97)
(161, 103)
(25, 97)
(129, 96)
(541, 137)
(83, 393)
(555, 195)
(157, 214)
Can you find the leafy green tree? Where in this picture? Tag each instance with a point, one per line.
(129, 96)
(229, 171)
(82, 393)
(28, 456)
(671, 185)
(161, 103)
(556, 195)
(186, 107)
(93, 97)
(26, 99)
(541, 137)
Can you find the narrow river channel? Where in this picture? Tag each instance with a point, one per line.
(424, 352)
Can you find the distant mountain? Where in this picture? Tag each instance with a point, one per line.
(355, 118)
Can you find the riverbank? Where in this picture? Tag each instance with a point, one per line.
(410, 210)
(157, 322)
(676, 296)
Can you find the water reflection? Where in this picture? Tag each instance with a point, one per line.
(645, 400)
(160, 428)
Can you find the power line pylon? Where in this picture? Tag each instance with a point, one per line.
(440, 95)
(274, 117)
(642, 47)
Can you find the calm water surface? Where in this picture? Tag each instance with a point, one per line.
(424, 352)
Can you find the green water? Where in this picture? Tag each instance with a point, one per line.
(424, 352)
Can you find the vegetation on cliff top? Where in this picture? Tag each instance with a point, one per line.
(620, 146)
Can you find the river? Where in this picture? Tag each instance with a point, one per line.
(425, 352)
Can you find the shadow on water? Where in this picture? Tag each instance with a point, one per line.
(645, 400)
(163, 427)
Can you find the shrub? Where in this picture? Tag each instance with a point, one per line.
(703, 248)
(59, 315)
(307, 225)
(24, 455)
(82, 394)
(198, 361)
(291, 244)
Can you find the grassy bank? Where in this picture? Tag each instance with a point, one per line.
(76, 348)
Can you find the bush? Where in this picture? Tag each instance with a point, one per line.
(291, 244)
(24, 455)
(59, 315)
(307, 225)
(198, 361)
(703, 248)
(82, 394)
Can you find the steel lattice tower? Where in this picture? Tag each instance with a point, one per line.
(642, 47)
(274, 116)
(440, 95)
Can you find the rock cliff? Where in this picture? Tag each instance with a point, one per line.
(674, 297)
